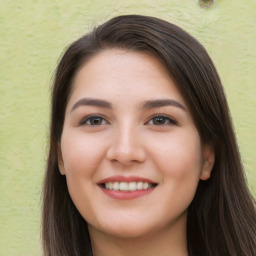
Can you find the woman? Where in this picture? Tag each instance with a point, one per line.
(143, 159)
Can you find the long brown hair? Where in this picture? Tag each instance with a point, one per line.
(221, 218)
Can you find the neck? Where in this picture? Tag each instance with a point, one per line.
(171, 241)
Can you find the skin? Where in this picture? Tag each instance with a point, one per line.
(129, 140)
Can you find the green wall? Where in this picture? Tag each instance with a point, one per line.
(34, 33)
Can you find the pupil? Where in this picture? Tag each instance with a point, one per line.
(159, 120)
(96, 121)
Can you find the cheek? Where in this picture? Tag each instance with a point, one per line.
(180, 163)
(179, 157)
(81, 154)
(81, 158)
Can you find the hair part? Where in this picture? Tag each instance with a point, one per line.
(221, 218)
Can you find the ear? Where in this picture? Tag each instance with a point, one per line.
(60, 161)
(208, 162)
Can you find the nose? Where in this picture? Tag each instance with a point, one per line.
(127, 147)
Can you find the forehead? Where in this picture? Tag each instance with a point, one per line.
(118, 73)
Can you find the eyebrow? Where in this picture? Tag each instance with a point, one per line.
(92, 102)
(146, 104)
(162, 103)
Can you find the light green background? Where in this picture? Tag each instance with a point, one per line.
(34, 33)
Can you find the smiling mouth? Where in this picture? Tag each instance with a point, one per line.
(128, 186)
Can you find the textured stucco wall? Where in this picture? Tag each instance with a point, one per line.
(32, 36)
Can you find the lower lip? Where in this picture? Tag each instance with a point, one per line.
(126, 195)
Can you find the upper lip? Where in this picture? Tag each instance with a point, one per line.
(120, 178)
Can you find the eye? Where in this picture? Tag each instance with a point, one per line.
(162, 120)
(93, 121)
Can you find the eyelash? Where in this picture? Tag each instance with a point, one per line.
(167, 120)
(91, 117)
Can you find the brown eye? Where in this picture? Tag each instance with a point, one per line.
(162, 120)
(159, 120)
(94, 121)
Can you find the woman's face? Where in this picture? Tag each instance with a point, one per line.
(129, 148)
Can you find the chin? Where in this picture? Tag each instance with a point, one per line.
(129, 232)
(128, 229)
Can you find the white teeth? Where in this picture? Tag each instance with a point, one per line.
(132, 186)
(123, 186)
(110, 185)
(116, 186)
(145, 185)
(140, 185)
(128, 186)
